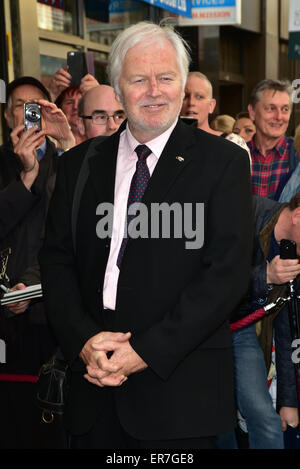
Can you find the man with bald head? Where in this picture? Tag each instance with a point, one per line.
(101, 112)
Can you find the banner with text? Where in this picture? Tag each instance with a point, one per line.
(213, 12)
(179, 7)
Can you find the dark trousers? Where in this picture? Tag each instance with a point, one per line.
(107, 433)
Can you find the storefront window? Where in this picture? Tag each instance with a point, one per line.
(105, 19)
(57, 15)
(100, 63)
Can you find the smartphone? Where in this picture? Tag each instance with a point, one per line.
(80, 63)
(288, 249)
(32, 116)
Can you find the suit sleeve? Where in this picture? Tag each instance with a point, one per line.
(66, 312)
(15, 202)
(222, 280)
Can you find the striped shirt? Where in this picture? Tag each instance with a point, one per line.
(267, 170)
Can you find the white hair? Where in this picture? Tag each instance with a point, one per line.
(145, 32)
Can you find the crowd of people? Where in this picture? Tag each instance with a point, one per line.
(160, 340)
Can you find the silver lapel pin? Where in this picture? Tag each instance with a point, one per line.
(179, 158)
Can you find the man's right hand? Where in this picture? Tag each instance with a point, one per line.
(59, 82)
(98, 359)
(280, 271)
(25, 144)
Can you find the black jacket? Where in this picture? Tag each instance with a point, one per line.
(22, 219)
(175, 301)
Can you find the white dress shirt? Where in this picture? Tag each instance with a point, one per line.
(126, 166)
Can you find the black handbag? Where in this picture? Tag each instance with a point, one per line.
(52, 387)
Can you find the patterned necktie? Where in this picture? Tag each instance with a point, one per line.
(137, 188)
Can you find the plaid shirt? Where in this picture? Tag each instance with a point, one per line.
(267, 170)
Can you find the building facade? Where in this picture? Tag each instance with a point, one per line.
(36, 36)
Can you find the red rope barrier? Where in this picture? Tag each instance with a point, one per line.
(259, 313)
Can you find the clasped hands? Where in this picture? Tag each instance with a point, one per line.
(113, 370)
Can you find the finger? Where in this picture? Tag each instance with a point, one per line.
(93, 381)
(289, 262)
(44, 103)
(106, 345)
(114, 380)
(98, 373)
(105, 364)
(19, 308)
(65, 72)
(30, 144)
(117, 336)
(111, 336)
(283, 426)
(29, 136)
(15, 134)
(63, 78)
(18, 286)
(293, 425)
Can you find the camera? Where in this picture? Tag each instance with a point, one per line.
(32, 116)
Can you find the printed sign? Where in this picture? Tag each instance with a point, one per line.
(213, 12)
(179, 7)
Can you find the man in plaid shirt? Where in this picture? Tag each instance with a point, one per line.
(273, 154)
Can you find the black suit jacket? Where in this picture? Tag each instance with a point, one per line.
(175, 301)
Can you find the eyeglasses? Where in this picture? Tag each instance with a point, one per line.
(101, 118)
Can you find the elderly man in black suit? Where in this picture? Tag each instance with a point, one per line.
(143, 320)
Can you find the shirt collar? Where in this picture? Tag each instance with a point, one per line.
(156, 145)
(279, 147)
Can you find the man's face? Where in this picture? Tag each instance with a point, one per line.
(14, 115)
(271, 114)
(102, 100)
(69, 106)
(198, 102)
(151, 89)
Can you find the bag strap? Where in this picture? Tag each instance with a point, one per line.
(80, 184)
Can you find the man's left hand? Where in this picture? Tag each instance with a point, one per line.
(124, 357)
(19, 306)
(289, 416)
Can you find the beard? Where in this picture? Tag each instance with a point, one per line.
(154, 125)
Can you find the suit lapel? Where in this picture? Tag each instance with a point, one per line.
(103, 168)
(171, 163)
(174, 158)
